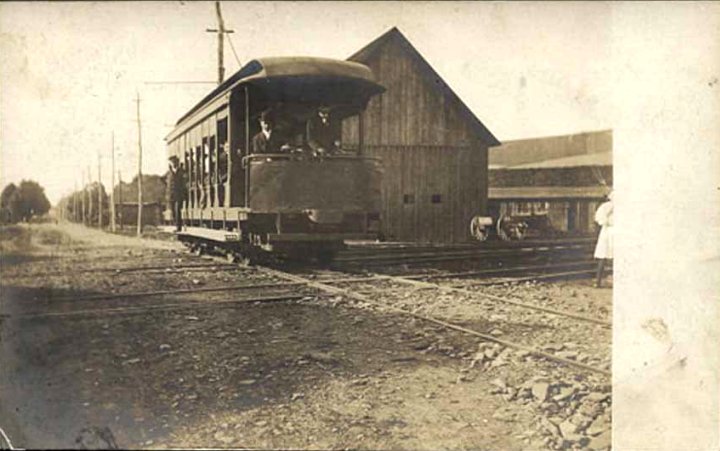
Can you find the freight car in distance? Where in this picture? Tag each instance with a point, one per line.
(292, 195)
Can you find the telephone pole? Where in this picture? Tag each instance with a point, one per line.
(139, 182)
(112, 183)
(90, 197)
(220, 30)
(120, 201)
(75, 204)
(84, 192)
(99, 193)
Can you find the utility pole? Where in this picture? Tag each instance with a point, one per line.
(75, 210)
(139, 181)
(84, 192)
(120, 215)
(90, 199)
(112, 184)
(220, 30)
(99, 193)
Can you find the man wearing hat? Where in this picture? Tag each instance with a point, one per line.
(323, 134)
(175, 190)
(268, 139)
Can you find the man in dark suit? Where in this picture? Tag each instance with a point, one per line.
(268, 140)
(323, 134)
(175, 190)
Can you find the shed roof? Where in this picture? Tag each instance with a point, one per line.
(366, 53)
(547, 192)
(591, 159)
(581, 149)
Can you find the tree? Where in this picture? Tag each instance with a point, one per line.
(9, 204)
(6, 193)
(24, 201)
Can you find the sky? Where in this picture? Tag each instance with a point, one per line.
(70, 73)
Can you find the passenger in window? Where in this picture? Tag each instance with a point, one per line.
(268, 140)
(323, 133)
(222, 171)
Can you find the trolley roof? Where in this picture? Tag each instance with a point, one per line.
(291, 75)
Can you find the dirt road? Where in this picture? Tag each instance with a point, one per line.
(312, 373)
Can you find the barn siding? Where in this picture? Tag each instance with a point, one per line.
(457, 175)
(427, 146)
(412, 111)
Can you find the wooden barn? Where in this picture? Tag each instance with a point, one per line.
(434, 149)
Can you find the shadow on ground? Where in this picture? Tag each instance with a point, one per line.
(144, 375)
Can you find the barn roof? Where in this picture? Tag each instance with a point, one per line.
(366, 53)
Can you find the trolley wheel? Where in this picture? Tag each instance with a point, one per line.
(479, 228)
(521, 230)
(501, 230)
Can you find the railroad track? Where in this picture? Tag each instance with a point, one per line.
(295, 288)
(418, 280)
(143, 309)
(422, 255)
(328, 287)
(496, 272)
(171, 268)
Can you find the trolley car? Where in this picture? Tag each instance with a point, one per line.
(290, 203)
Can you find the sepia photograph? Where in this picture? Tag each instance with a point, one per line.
(359, 225)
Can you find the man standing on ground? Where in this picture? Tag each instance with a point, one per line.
(175, 190)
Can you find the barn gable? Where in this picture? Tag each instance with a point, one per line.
(432, 147)
(440, 115)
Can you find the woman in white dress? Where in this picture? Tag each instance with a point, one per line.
(604, 247)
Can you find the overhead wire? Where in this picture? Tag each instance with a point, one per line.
(233, 50)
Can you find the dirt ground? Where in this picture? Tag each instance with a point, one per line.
(313, 373)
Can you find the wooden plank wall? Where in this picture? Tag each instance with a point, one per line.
(427, 148)
(456, 174)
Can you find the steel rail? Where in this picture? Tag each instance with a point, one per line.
(550, 276)
(137, 294)
(361, 298)
(159, 307)
(459, 252)
(429, 285)
(557, 275)
(439, 257)
(127, 269)
(493, 271)
(355, 249)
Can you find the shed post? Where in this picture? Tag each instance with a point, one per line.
(247, 145)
